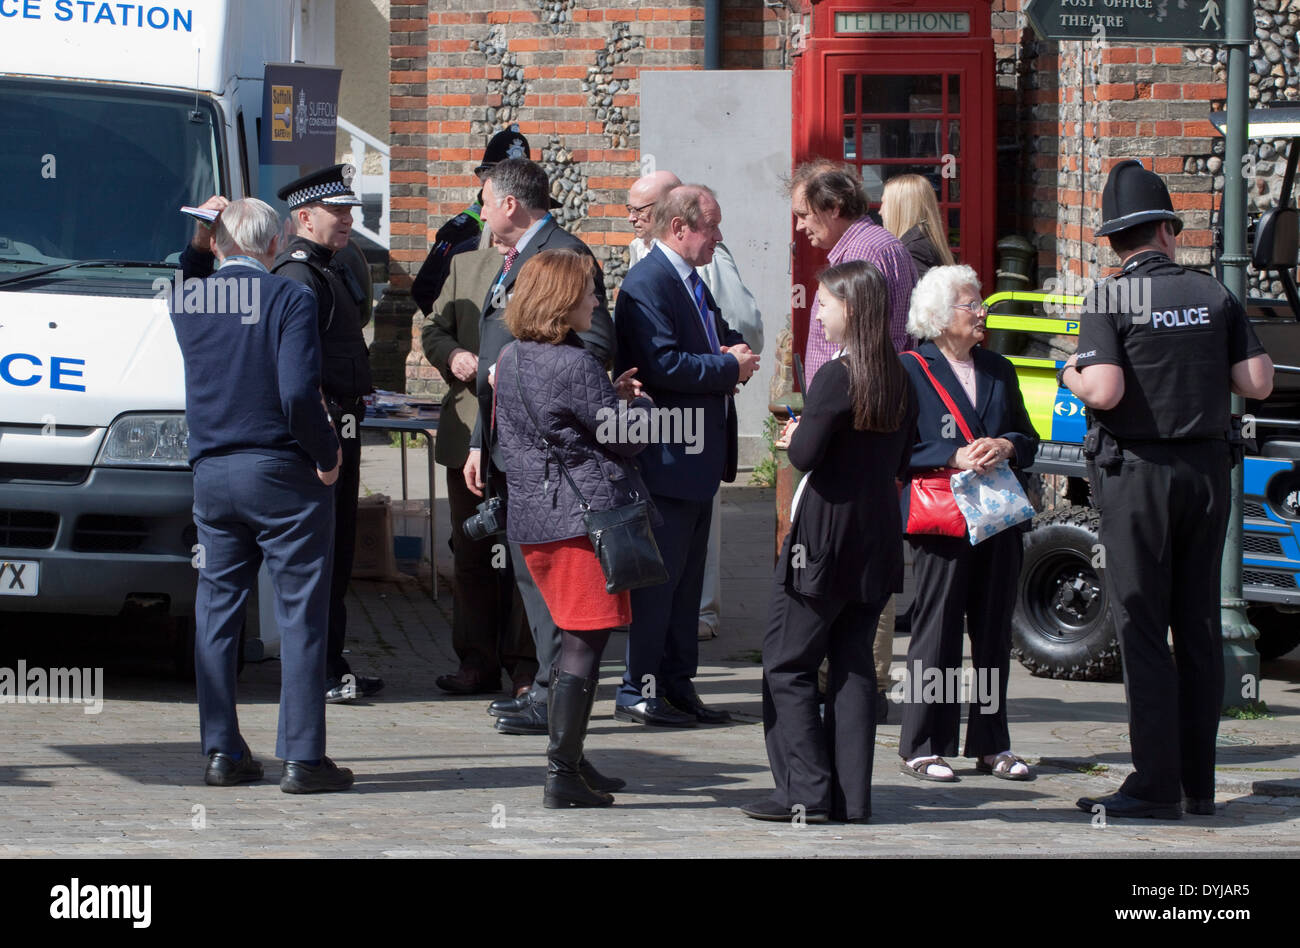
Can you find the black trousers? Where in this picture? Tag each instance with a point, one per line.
(663, 640)
(1164, 514)
(545, 634)
(489, 629)
(960, 586)
(347, 415)
(822, 763)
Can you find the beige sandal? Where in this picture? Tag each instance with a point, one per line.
(918, 767)
(1002, 766)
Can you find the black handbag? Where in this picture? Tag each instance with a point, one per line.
(622, 537)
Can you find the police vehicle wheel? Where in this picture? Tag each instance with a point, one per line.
(1062, 626)
(1279, 632)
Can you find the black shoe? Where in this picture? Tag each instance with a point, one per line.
(1199, 806)
(300, 777)
(337, 690)
(655, 712)
(532, 720)
(773, 812)
(1123, 805)
(692, 705)
(466, 682)
(569, 709)
(882, 707)
(503, 706)
(224, 771)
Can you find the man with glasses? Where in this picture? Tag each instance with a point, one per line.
(739, 311)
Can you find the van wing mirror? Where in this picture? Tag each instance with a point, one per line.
(1277, 240)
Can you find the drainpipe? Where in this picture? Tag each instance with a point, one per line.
(712, 34)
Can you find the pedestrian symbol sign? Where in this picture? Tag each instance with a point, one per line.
(1191, 22)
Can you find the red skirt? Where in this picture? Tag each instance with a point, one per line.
(570, 579)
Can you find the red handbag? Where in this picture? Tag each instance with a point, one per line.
(932, 510)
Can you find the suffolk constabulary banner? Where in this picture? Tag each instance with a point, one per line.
(299, 122)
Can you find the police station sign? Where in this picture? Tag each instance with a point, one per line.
(1121, 21)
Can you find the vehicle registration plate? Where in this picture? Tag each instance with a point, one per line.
(19, 577)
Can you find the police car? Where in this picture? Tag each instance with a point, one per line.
(1062, 626)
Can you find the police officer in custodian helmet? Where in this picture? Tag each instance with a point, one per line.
(1160, 347)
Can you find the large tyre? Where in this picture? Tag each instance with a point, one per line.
(1062, 627)
(1279, 632)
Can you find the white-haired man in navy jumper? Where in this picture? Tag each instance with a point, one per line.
(265, 457)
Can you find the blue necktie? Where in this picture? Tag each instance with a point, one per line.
(697, 288)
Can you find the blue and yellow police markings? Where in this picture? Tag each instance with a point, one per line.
(1056, 414)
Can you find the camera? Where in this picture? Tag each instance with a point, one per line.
(489, 521)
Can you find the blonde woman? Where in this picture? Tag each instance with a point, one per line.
(909, 211)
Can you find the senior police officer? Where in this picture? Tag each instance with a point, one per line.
(320, 209)
(1160, 347)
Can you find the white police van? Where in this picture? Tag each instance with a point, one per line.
(112, 116)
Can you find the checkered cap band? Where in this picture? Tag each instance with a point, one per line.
(321, 192)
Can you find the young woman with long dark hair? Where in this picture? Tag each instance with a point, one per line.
(841, 561)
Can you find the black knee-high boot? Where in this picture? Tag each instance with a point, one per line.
(594, 778)
(569, 707)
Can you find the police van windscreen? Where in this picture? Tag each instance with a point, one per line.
(91, 172)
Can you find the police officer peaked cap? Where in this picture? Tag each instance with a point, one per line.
(1134, 196)
(507, 144)
(332, 185)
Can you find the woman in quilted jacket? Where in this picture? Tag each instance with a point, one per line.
(555, 405)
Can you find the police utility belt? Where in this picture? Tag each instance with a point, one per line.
(1102, 450)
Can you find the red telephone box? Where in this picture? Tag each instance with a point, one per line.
(896, 87)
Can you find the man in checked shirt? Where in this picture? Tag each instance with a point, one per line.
(830, 209)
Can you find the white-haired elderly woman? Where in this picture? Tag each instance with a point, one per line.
(959, 585)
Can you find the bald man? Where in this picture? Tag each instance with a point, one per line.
(739, 311)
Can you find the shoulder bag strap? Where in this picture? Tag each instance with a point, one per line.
(582, 501)
(943, 394)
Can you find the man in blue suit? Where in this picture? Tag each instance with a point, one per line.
(265, 458)
(689, 361)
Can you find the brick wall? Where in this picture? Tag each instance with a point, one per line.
(566, 72)
(1068, 112)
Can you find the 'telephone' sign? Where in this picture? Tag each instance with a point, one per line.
(916, 21)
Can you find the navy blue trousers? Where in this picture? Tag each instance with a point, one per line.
(663, 641)
(249, 508)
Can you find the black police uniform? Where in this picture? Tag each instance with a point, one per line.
(1160, 463)
(345, 379)
(457, 235)
(463, 231)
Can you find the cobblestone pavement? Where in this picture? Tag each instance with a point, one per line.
(433, 778)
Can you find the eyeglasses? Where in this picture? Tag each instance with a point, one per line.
(972, 308)
(639, 211)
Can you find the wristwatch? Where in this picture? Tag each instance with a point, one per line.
(1060, 375)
